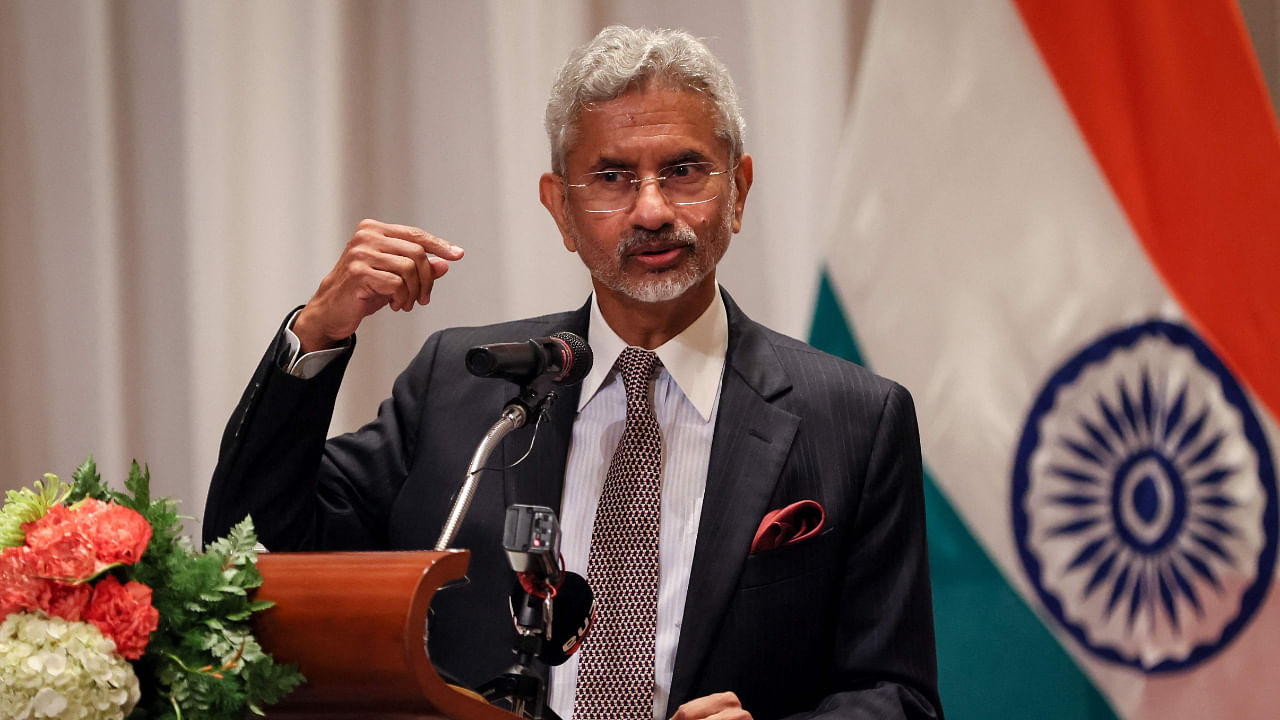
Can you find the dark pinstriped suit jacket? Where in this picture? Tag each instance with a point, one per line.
(840, 623)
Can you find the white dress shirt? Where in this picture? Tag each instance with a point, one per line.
(686, 393)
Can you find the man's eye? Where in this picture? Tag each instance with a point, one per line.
(611, 177)
(687, 173)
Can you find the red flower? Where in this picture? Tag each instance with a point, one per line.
(67, 601)
(119, 535)
(124, 613)
(67, 557)
(19, 590)
(56, 523)
(58, 546)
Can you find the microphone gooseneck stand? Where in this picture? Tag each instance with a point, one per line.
(531, 402)
(514, 416)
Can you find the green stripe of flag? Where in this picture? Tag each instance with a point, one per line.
(995, 658)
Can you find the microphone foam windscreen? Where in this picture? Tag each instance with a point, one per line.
(580, 358)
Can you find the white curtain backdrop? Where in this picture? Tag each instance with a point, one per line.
(176, 176)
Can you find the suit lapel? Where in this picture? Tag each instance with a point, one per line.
(752, 440)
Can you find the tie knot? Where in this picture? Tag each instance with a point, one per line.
(636, 365)
(636, 362)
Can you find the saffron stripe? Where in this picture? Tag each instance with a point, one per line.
(1194, 163)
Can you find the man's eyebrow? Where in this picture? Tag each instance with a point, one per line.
(610, 162)
(688, 156)
(684, 156)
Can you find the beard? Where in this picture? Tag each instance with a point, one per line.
(703, 254)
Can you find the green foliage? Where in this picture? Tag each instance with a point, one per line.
(202, 661)
(210, 665)
(24, 506)
(87, 483)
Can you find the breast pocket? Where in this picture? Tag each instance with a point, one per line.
(807, 557)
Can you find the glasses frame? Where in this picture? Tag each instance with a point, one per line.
(660, 178)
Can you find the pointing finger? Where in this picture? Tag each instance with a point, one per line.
(437, 246)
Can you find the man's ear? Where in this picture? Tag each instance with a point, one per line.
(551, 190)
(742, 177)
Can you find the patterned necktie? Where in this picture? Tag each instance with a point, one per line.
(615, 672)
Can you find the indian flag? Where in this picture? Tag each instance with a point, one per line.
(1058, 224)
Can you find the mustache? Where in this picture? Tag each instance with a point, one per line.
(640, 239)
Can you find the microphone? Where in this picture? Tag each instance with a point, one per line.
(564, 357)
(552, 610)
(531, 539)
(574, 613)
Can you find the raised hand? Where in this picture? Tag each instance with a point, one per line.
(382, 264)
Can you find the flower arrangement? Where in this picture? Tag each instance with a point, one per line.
(109, 612)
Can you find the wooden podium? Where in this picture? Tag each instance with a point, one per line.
(355, 623)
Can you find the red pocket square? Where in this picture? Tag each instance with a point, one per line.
(789, 525)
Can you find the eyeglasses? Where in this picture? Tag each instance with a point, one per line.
(607, 191)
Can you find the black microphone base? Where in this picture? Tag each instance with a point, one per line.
(522, 689)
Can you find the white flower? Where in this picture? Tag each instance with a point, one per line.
(54, 662)
(48, 703)
(53, 668)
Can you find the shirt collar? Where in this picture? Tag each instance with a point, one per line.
(694, 358)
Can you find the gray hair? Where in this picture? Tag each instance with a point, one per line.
(621, 58)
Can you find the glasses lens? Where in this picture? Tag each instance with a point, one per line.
(688, 183)
(613, 190)
(606, 190)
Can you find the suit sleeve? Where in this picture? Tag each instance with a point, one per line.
(302, 491)
(885, 655)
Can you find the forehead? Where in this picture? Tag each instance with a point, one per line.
(651, 124)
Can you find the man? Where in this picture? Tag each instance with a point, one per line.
(662, 466)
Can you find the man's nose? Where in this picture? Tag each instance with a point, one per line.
(652, 209)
